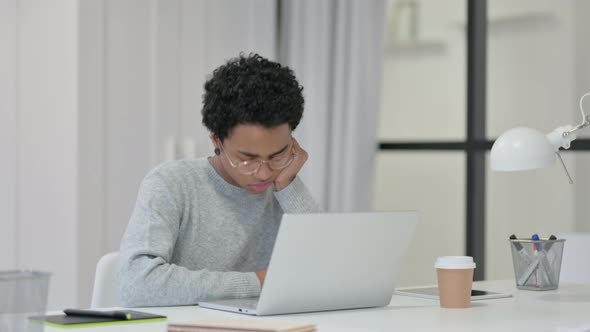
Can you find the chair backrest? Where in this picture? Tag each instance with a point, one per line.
(105, 292)
(575, 266)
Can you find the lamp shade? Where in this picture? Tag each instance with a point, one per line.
(521, 149)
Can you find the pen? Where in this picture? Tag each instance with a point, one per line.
(549, 244)
(535, 237)
(542, 251)
(520, 250)
(92, 313)
(546, 266)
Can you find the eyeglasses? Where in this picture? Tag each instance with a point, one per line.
(249, 167)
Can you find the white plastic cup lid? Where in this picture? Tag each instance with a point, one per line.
(454, 262)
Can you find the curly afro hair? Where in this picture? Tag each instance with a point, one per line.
(251, 90)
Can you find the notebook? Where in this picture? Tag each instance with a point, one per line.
(64, 321)
(330, 261)
(240, 325)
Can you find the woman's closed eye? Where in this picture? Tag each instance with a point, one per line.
(279, 157)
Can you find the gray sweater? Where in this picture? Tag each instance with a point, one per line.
(193, 236)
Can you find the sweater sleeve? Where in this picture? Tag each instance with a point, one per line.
(145, 276)
(295, 198)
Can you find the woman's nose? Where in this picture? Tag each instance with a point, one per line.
(264, 172)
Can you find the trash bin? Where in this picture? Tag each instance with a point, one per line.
(537, 263)
(22, 294)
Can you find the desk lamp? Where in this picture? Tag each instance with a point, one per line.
(525, 148)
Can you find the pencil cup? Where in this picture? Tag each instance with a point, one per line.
(537, 263)
(23, 294)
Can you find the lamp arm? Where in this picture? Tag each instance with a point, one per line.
(584, 123)
(585, 118)
(563, 136)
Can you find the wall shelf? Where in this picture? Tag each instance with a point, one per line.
(415, 48)
(517, 20)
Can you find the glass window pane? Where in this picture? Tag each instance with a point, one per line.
(423, 90)
(538, 64)
(540, 201)
(432, 183)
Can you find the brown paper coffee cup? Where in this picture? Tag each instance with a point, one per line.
(455, 280)
(454, 287)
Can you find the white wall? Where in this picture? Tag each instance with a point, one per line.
(8, 120)
(47, 96)
(92, 92)
(128, 78)
(91, 146)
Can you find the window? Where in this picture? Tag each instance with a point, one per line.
(457, 75)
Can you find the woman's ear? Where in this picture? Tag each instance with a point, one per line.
(214, 140)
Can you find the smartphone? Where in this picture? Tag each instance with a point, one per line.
(431, 292)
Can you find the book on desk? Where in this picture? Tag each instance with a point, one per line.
(240, 325)
(74, 321)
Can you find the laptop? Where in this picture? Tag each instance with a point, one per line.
(330, 261)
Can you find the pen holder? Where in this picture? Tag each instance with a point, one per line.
(22, 294)
(537, 263)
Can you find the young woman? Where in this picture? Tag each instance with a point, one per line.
(205, 229)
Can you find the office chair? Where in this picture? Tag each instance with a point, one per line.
(105, 292)
(575, 265)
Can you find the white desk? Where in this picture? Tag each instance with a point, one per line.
(561, 310)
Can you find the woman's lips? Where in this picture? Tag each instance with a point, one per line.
(260, 187)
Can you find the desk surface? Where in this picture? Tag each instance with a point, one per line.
(565, 309)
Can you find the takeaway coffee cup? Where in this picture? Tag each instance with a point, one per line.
(455, 278)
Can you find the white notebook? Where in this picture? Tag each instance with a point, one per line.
(240, 325)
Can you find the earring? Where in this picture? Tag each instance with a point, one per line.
(217, 151)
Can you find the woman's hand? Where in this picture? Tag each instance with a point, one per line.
(261, 276)
(288, 174)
